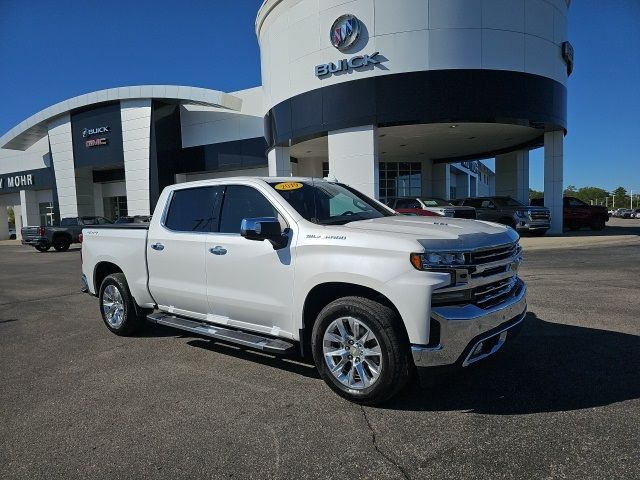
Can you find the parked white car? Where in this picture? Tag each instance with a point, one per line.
(300, 264)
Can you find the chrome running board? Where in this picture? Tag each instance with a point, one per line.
(265, 344)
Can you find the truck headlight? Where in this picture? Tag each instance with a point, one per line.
(427, 260)
(523, 213)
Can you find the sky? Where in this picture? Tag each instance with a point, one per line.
(51, 51)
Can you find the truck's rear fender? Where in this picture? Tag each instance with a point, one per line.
(105, 250)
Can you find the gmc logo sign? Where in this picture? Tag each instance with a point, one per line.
(95, 142)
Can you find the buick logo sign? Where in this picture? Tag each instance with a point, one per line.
(344, 32)
(87, 132)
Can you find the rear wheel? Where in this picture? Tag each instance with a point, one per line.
(117, 306)
(360, 350)
(43, 248)
(61, 244)
(598, 223)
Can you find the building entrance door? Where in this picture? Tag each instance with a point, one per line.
(115, 207)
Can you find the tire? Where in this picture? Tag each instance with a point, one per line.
(574, 227)
(385, 336)
(61, 244)
(42, 248)
(537, 233)
(598, 224)
(123, 320)
(509, 222)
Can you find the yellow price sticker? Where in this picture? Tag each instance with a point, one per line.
(288, 186)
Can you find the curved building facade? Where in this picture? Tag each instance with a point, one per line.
(368, 84)
(394, 97)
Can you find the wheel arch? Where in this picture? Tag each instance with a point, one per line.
(101, 271)
(324, 293)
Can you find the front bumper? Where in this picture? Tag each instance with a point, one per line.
(469, 333)
(527, 226)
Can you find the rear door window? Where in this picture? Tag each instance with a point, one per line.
(194, 209)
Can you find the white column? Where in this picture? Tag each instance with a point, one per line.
(29, 208)
(17, 212)
(441, 181)
(353, 158)
(63, 165)
(4, 223)
(512, 175)
(98, 201)
(136, 143)
(553, 178)
(279, 162)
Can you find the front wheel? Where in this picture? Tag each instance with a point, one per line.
(361, 350)
(43, 248)
(117, 306)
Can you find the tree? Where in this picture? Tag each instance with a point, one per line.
(535, 194)
(589, 194)
(12, 217)
(570, 191)
(622, 199)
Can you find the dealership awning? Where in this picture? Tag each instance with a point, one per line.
(28, 132)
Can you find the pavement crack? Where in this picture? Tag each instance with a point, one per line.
(374, 441)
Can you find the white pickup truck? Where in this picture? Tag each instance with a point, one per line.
(313, 266)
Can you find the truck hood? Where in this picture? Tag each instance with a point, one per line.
(441, 232)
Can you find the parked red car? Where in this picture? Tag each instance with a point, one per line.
(578, 214)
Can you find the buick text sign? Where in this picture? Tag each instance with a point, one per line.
(344, 65)
(95, 142)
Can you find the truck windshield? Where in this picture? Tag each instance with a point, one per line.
(328, 203)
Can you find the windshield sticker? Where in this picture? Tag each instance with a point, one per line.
(288, 186)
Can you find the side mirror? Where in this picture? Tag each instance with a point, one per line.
(263, 228)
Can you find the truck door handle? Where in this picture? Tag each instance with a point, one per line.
(157, 246)
(218, 250)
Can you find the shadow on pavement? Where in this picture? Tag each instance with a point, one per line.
(549, 368)
(295, 365)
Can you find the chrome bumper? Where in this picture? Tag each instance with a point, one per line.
(469, 333)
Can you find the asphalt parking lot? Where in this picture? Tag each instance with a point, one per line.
(562, 401)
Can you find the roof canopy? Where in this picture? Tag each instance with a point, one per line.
(28, 132)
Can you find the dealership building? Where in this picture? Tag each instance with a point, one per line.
(396, 98)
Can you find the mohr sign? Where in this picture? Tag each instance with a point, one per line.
(16, 181)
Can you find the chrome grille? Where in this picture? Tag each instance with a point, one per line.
(492, 293)
(540, 216)
(480, 257)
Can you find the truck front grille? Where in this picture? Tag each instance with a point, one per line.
(540, 216)
(481, 257)
(493, 293)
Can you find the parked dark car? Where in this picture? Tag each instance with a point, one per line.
(511, 212)
(430, 206)
(59, 237)
(577, 214)
(133, 219)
